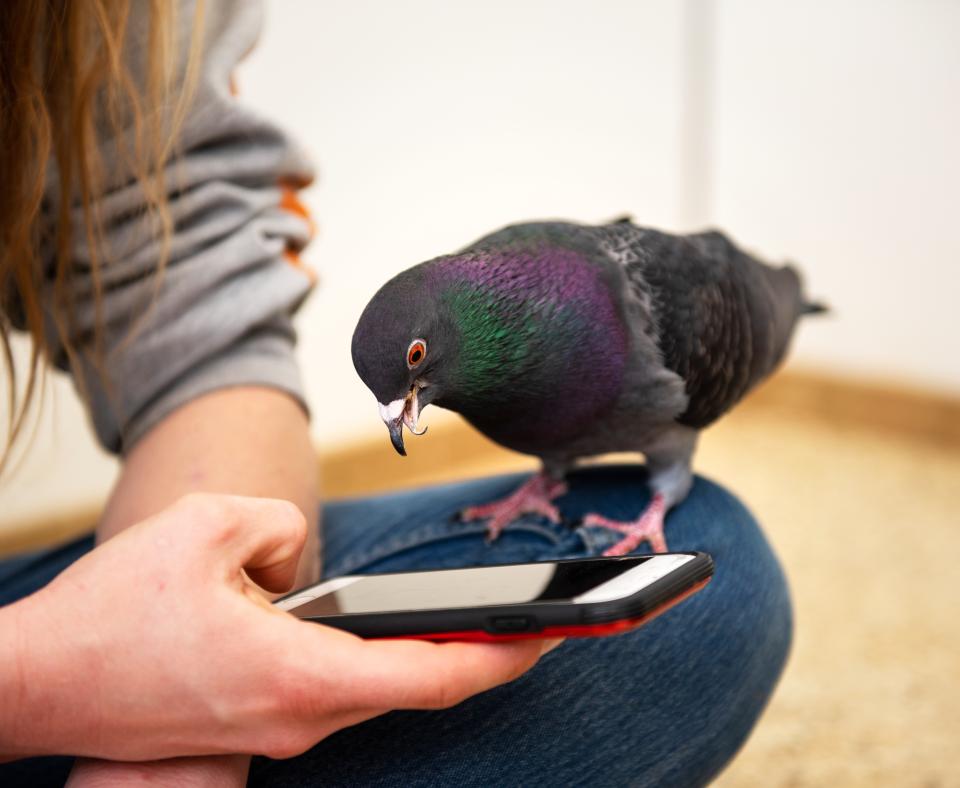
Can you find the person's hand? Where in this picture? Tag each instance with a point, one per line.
(200, 771)
(157, 645)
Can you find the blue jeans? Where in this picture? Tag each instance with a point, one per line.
(666, 705)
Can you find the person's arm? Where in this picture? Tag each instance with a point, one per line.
(156, 645)
(193, 378)
(243, 441)
(194, 381)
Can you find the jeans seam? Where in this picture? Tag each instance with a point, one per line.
(431, 534)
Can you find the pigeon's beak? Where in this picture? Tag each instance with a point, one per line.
(396, 437)
(402, 412)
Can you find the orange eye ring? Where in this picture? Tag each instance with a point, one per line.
(416, 353)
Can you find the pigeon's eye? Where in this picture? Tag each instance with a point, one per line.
(416, 353)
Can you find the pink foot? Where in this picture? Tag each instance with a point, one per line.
(534, 495)
(648, 525)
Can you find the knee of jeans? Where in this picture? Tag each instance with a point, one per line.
(754, 609)
(716, 521)
(749, 595)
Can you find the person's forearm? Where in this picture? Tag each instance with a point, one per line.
(221, 771)
(11, 685)
(243, 440)
(39, 709)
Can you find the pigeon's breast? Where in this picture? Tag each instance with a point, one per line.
(542, 341)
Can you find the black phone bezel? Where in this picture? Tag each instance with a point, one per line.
(539, 615)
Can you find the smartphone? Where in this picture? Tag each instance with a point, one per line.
(584, 597)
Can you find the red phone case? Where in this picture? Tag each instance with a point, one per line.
(572, 631)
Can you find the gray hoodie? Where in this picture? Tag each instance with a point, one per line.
(222, 314)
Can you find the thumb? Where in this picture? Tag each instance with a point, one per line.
(411, 674)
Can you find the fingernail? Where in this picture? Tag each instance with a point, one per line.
(550, 645)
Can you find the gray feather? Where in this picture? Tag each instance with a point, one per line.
(721, 318)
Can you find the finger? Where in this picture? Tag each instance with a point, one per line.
(263, 536)
(409, 674)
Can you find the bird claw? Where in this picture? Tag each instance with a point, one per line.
(647, 527)
(532, 497)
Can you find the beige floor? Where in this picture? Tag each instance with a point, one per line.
(867, 526)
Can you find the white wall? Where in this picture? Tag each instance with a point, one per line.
(823, 132)
(837, 144)
(57, 467)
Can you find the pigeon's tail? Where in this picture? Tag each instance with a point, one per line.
(789, 304)
(814, 308)
(789, 275)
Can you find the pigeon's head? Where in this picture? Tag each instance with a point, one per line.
(400, 349)
(526, 344)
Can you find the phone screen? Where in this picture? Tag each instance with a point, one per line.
(584, 581)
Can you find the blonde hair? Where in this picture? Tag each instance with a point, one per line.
(66, 91)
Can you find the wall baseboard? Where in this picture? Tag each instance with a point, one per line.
(458, 451)
(876, 405)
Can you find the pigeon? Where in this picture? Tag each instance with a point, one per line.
(567, 341)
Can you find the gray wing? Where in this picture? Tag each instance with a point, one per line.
(723, 319)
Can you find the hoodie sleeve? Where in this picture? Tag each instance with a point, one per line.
(219, 314)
